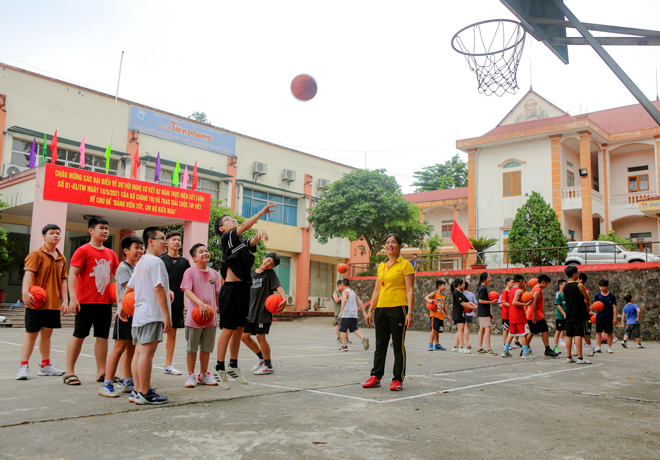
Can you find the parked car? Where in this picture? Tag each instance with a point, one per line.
(605, 252)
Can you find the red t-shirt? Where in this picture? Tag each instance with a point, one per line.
(504, 297)
(539, 306)
(97, 266)
(516, 314)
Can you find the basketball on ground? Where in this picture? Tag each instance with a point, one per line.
(492, 295)
(533, 282)
(342, 268)
(113, 292)
(597, 306)
(273, 302)
(39, 296)
(433, 306)
(197, 316)
(526, 297)
(303, 87)
(128, 303)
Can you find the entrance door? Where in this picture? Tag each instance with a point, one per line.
(283, 271)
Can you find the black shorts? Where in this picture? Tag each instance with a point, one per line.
(257, 328)
(348, 324)
(560, 324)
(540, 327)
(469, 319)
(576, 329)
(632, 331)
(36, 319)
(178, 318)
(604, 325)
(587, 328)
(437, 324)
(505, 324)
(122, 330)
(91, 314)
(234, 304)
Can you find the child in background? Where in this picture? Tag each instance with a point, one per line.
(504, 305)
(577, 315)
(349, 315)
(517, 319)
(484, 314)
(560, 321)
(458, 306)
(469, 315)
(632, 313)
(607, 318)
(582, 277)
(536, 316)
(437, 318)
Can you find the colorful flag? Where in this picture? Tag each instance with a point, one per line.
(175, 174)
(53, 149)
(157, 177)
(185, 178)
(82, 153)
(460, 240)
(33, 153)
(136, 163)
(194, 185)
(44, 151)
(107, 158)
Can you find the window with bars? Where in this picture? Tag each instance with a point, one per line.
(286, 211)
(638, 168)
(635, 236)
(570, 179)
(638, 183)
(446, 230)
(511, 183)
(512, 164)
(203, 185)
(20, 156)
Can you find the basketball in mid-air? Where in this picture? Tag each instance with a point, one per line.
(303, 87)
(342, 268)
(526, 297)
(39, 296)
(128, 303)
(492, 295)
(433, 306)
(197, 316)
(273, 302)
(597, 306)
(533, 282)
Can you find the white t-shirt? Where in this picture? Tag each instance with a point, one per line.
(149, 273)
(351, 307)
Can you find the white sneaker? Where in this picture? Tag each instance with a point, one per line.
(528, 356)
(513, 347)
(264, 370)
(222, 380)
(108, 391)
(456, 349)
(235, 373)
(259, 365)
(614, 340)
(191, 381)
(466, 351)
(206, 379)
(23, 372)
(583, 361)
(50, 369)
(569, 360)
(171, 371)
(562, 342)
(609, 350)
(365, 343)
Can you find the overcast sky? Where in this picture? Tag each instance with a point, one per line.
(389, 82)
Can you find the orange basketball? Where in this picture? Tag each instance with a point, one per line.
(433, 306)
(113, 292)
(342, 268)
(39, 295)
(593, 318)
(526, 297)
(597, 306)
(303, 87)
(197, 316)
(468, 310)
(533, 282)
(273, 302)
(128, 303)
(492, 295)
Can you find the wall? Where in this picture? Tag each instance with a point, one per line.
(572, 222)
(571, 156)
(637, 225)
(619, 163)
(531, 107)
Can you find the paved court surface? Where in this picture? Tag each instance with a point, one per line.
(313, 406)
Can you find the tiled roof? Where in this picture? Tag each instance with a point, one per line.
(437, 195)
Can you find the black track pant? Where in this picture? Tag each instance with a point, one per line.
(390, 322)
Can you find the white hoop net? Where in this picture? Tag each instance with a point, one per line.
(493, 50)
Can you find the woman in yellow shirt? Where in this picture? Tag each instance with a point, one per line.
(392, 301)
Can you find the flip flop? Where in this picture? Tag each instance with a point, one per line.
(101, 379)
(71, 379)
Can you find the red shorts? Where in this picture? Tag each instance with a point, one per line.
(518, 329)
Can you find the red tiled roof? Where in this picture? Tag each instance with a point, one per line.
(437, 195)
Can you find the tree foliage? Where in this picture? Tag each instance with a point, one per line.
(536, 226)
(480, 244)
(5, 258)
(200, 117)
(450, 174)
(612, 236)
(369, 205)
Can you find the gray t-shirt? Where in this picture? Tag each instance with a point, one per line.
(124, 273)
(263, 285)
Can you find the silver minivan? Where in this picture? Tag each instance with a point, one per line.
(605, 252)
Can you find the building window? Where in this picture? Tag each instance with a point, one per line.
(286, 211)
(505, 246)
(446, 265)
(321, 279)
(512, 164)
(446, 230)
(638, 168)
(211, 187)
(638, 183)
(570, 179)
(571, 235)
(636, 236)
(569, 164)
(511, 183)
(20, 156)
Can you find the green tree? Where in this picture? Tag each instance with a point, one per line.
(430, 246)
(612, 236)
(200, 117)
(369, 205)
(536, 226)
(450, 174)
(480, 244)
(5, 258)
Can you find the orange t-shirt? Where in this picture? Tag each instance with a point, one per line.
(539, 306)
(439, 313)
(49, 273)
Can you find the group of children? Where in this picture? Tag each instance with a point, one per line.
(163, 285)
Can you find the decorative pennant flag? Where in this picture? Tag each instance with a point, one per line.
(107, 158)
(136, 162)
(185, 178)
(82, 153)
(175, 174)
(460, 240)
(53, 149)
(194, 184)
(44, 151)
(157, 176)
(33, 153)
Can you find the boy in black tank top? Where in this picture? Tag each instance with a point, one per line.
(576, 314)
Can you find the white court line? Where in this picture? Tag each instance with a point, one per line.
(323, 354)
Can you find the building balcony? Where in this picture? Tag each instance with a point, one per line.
(571, 198)
(626, 205)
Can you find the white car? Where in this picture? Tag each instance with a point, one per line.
(605, 252)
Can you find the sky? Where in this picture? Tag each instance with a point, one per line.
(392, 93)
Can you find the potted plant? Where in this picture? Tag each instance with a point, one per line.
(480, 244)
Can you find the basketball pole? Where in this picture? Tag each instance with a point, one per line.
(114, 113)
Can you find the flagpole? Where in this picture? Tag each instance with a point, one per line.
(116, 96)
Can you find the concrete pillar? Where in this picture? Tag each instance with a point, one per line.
(46, 212)
(132, 143)
(3, 121)
(193, 233)
(303, 261)
(585, 182)
(606, 190)
(555, 152)
(231, 170)
(472, 193)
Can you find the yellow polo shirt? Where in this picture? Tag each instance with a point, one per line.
(393, 284)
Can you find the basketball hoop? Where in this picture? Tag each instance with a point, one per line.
(494, 60)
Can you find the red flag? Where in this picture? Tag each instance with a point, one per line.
(460, 240)
(136, 162)
(53, 148)
(194, 184)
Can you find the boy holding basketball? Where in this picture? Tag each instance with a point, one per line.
(607, 318)
(517, 320)
(536, 317)
(45, 268)
(201, 286)
(264, 282)
(437, 317)
(577, 314)
(504, 305)
(582, 279)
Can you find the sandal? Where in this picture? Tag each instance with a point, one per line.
(102, 378)
(71, 379)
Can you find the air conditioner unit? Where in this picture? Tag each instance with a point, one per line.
(322, 183)
(288, 175)
(290, 300)
(10, 170)
(260, 168)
